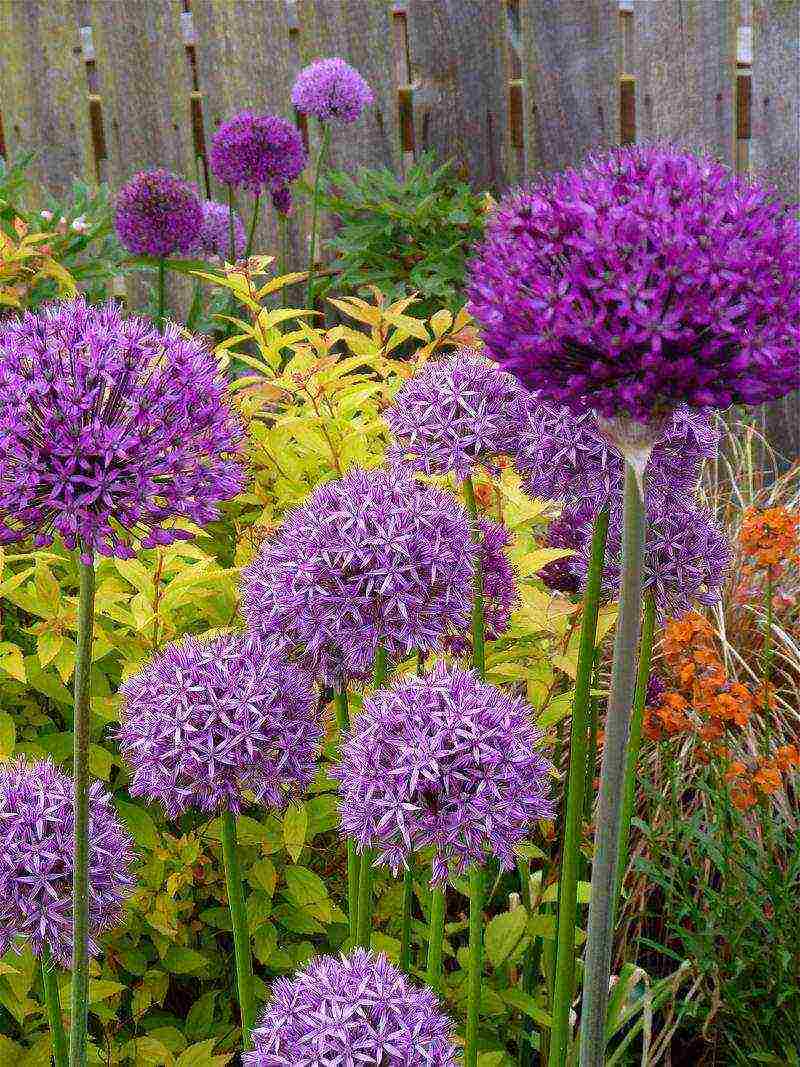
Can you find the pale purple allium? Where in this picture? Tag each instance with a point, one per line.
(499, 583)
(157, 214)
(207, 722)
(373, 559)
(109, 430)
(656, 687)
(331, 89)
(257, 152)
(36, 862)
(352, 1011)
(454, 414)
(569, 530)
(214, 238)
(646, 279)
(282, 200)
(443, 761)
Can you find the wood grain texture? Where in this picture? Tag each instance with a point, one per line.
(43, 90)
(685, 67)
(571, 58)
(461, 105)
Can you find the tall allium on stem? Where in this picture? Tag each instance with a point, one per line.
(648, 279)
(108, 431)
(207, 722)
(334, 92)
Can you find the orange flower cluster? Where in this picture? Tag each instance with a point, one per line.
(706, 703)
(770, 540)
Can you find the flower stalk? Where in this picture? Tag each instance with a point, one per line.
(241, 933)
(405, 926)
(364, 920)
(80, 883)
(433, 974)
(353, 860)
(53, 1005)
(564, 983)
(251, 234)
(312, 257)
(597, 968)
(162, 293)
(231, 227)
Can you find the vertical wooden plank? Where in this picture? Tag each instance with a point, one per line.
(43, 90)
(460, 74)
(685, 68)
(571, 58)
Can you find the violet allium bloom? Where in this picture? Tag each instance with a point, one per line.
(373, 559)
(332, 90)
(257, 152)
(158, 214)
(206, 722)
(454, 414)
(443, 761)
(214, 238)
(36, 862)
(352, 1011)
(109, 430)
(569, 530)
(282, 199)
(656, 687)
(646, 279)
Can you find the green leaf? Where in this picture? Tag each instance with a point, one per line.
(8, 736)
(201, 1016)
(527, 1005)
(503, 934)
(140, 825)
(181, 960)
(262, 875)
(295, 825)
(304, 887)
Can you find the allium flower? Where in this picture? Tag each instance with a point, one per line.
(282, 199)
(646, 279)
(454, 414)
(157, 214)
(331, 89)
(257, 152)
(569, 530)
(214, 238)
(207, 721)
(36, 863)
(447, 761)
(108, 430)
(373, 559)
(655, 690)
(500, 595)
(352, 1011)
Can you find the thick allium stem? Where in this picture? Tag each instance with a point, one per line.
(353, 861)
(253, 223)
(364, 922)
(162, 293)
(635, 743)
(478, 628)
(312, 254)
(435, 938)
(53, 1004)
(241, 934)
(80, 884)
(475, 965)
(405, 928)
(597, 967)
(231, 227)
(571, 847)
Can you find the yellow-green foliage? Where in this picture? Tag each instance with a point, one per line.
(25, 259)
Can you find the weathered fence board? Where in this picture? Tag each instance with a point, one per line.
(570, 67)
(461, 108)
(685, 70)
(43, 90)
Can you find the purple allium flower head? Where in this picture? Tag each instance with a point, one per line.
(331, 89)
(282, 199)
(157, 214)
(36, 863)
(352, 1011)
(646, 279)
(500, 594)
(569, 530)
(214, 238)
(373, 559)
(207, 721)
(257, 152)
(108, 430)
(454, 414)
(656, 687)
(444, 761)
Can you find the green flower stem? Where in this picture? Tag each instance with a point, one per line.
(353, 861)
(635, 743)
(80, 883)
(231, 227)
(597, 968)
(162, 293)
(474, 966)
(241, 934)
(478, 634)
(405, 929)
(312, 256)
(251, 235)
(435, 939)
(564, 982)
(364, 920)
(594, 726)
(283, 248)
(53, 1005)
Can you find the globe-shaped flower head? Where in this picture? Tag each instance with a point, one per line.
(349, 1011)
(332, 90)
(208, 721)
(36, 862)
(646, 279)
(454, 414)
(257, 152)
(214, 238)
(109, 430)
(157, 214)
(447, 761)
(375, 559)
